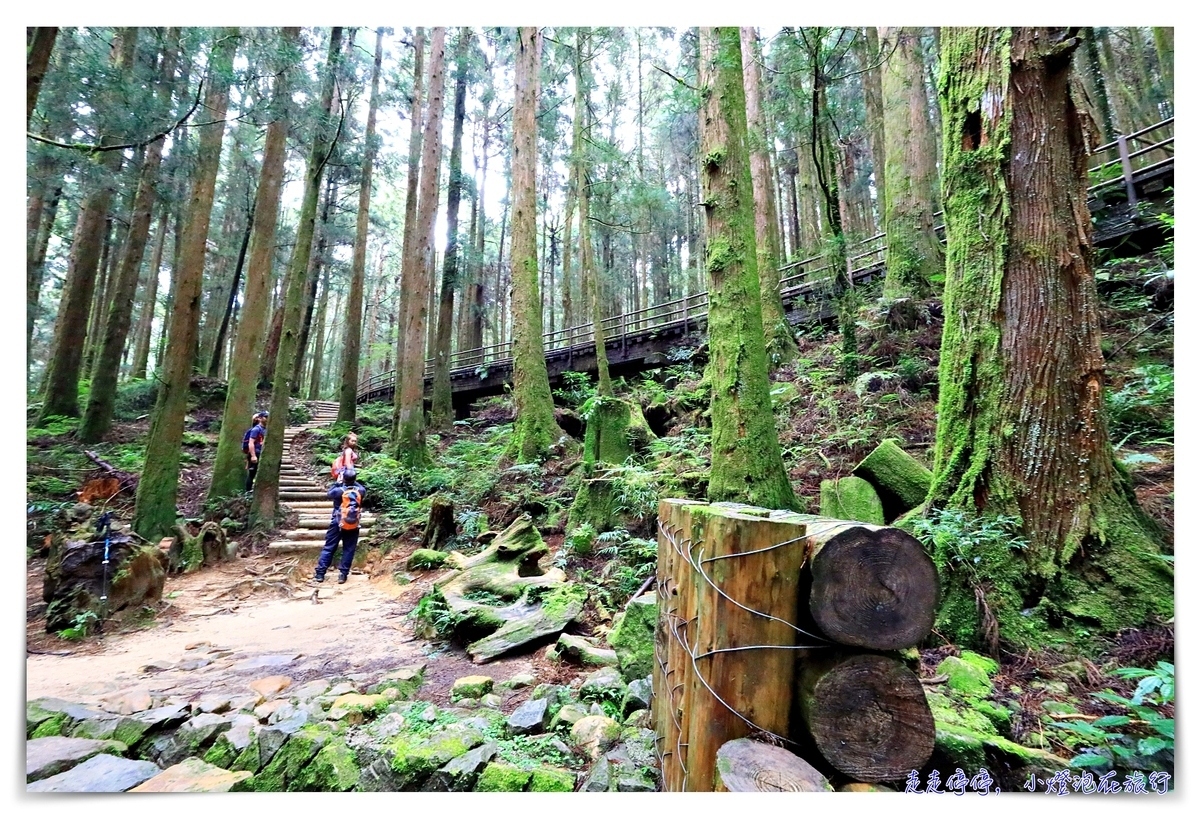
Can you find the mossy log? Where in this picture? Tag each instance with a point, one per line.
(439, 528)
(616, 430)
(900, 479)
(745, 765)
(594, 505)
(851, 498)
(75, 578)
(190, 552)
(866, 713)
(539, 602)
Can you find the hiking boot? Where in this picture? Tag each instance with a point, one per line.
(342, 579)
(316, 580)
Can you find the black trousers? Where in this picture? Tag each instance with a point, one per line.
(348, 537)
(251, 471)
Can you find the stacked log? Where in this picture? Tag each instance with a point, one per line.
(777, 626)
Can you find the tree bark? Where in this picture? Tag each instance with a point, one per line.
(154, 512)
(870, 56)
(1021, 418)
(61, 381)
(418, 279)
(442, 412)
(781, 344)
(316, 262)
(264, 508)
(535, 430)
(97, 416)
(1094, 85)
(914, 254)
(141, 350)
(214, 365)
(747, 465)
(352, 343)
(318, 356)
(37, 59)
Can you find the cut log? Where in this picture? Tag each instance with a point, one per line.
(871, 587)
(745, 765)
(902, 482)
(440, 528)
(866, 713)
(851, 498)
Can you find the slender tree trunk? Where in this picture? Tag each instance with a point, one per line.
(99, 301)
(60, 394)
(1094, 85)
(475, 320)
(97, 416)
(870, 56)
(1164, 49)
(141, 350)
(535, 430)
(40, 224)
(781, 344)
(352, 343)
(316, 262)
(314, 383)
(410, 438)
(747, 465)
(228, 467)
(442, 412)
(219, 345)
(1118, 90)
(408, 252)
(914, 254)
(572, 194)
(264, 508)
(1021, 417)
(154, 512)
(37, 59)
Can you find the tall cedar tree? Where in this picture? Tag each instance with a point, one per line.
(61, 382)
(228, 477)
(914, 254)
(266, 483)
(97, 416)
(442, 412)
(869, 56)
(1021, 417)
(781, 344)
(747, 464)
(418, 279)
(154, 512)
(352, 345)
(149, 300)
(37, 58)
(535, 430)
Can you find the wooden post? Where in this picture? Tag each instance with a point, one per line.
(1127, 170)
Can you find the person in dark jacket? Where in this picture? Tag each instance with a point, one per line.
(252, 446)
(347, 497)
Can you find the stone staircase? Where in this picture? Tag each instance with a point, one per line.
(307, 495)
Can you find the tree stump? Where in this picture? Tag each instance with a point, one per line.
(867, 714)
(191, 552)
(745, 765)
(440, 528)
(616, 430)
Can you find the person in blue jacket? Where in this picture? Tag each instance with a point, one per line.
(252, 446)
(347, 496)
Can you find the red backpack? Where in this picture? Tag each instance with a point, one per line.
(351, 502)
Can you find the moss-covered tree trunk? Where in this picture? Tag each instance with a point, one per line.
(1021, 423)
(914, 254)
(229, 467)
(781, 344)
(442, 411)
(1093, 83)
(1164, 51)
(319, 341)
(747, 465)
(266, 483)
(352, 343)
(97, 416)
(409, 441)
(37, 59)
(141, 346)
(316, 262)
(61, 382)
(869, 57)
(535, 430)
(154, 512)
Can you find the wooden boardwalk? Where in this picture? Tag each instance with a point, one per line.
(1133, 177)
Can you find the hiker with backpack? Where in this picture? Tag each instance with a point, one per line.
(347, 497)
(252, 446)
(347, 459)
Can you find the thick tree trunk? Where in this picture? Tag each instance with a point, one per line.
(535, 430)
(747, 465)
(352, 343)
(914, 254)
(97, 416)
(409, 442)
(1164, 50)
(141, 350)
(37, 59)
(154, 513)
(408, 252)
(61, 381)
(781, 344)
(266, 484)
(1021, 418)
(442, 412)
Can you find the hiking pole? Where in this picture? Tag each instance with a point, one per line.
(106, 521)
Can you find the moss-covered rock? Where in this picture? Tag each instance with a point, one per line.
(551, 779)
(632, 637)
(471, 687)
(333, 769)
(965, 678)
(415, 758)
(851, 498)
(499, 777)
(284, 770)
(595, 734)
(603, 685)
(54, 726)
(594, 505)
(425, 559)
(355, 708)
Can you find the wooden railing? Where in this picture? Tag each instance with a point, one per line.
(1143, 152)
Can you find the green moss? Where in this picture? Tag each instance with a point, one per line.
(632, 637)
(894, 471)
(594, 505)
(549, 779)
(965, 678)
(714, 157)
(616, 429)
(424, 559)
(249, 759)
(498, 777)
(471, 687)
(285, 768)
(986, 664)
(54, 725)
(222, 753)
(960, 747)
(851, 498)
(414, 757)
(563, 599)
(333, 769)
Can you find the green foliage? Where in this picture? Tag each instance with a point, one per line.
(577, 387)
(195, 439)
(633, 559)
(1142, 410)
(134, 399)
(433, 612)
(84, 623)
(579, 541)
(298, 413)
(53, 426)
(1143, 738)
(635, 491)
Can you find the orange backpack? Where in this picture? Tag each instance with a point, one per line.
(351, 502)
